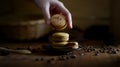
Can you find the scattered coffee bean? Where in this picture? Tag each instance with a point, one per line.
(96, 53)
(82, 54)
(67, 58)
(62, 58)
(102, 51)
(109, 48)
(109, 51)
(42, 59)
(69, 53)
(80, 46)
(104, 48)
(93, 49)
(49, 61)
(117, 50)
(89, 50)
(84, 48)
(114, 52)
(73, 56)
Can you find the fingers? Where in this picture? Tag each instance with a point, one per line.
(44, 5)
(46, 14)
(69, 19)
(67, 14)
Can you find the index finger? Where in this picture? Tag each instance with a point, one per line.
(67, 14)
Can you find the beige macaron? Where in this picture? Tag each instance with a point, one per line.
(66, 45)
(58, 22)
(73, 45)
(60, 37)
(59, 43)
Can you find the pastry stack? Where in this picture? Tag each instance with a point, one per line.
(60, 40)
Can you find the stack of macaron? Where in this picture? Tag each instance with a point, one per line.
(60, 40)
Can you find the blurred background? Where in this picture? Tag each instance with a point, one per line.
(97, 19)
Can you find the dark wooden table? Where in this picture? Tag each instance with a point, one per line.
(41, 59)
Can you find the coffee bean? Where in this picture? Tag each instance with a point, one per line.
(104, 48)
(67, 58)
(102, 51)
(117, 50)
(109, 51)
(80, 46)
(73, 56)
(109, 48)
(89, 50)
(41, 58)
(114, 52)
(49, 61)
(62, 58)
(92, 49)
(97, 53)
(69, 53)
(82, 54)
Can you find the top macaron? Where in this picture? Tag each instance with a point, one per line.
(58, 22)
(60, 37)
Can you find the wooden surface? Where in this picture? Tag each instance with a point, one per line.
(86, 60)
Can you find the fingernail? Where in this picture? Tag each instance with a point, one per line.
(71, 26)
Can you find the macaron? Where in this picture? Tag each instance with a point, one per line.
(73, 45)
(59, 45)
(58, 22)
(66, 45)
(60, 37)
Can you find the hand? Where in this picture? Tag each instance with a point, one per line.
(51, 7)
